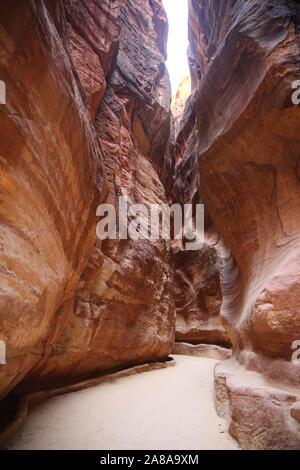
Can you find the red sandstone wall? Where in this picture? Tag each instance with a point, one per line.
(248, 154)
(87, 119)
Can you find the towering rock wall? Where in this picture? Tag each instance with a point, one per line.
(87, 120)
(247, 129)
(197, 286)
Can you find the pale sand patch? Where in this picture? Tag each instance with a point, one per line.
(167, 409)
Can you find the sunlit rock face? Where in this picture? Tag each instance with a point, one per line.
(248, 157)
(179, 100)
(87, 120)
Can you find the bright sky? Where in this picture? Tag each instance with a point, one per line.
(177, 11)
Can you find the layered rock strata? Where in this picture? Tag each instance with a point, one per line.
(197, 286)
(86, 120)
(248, 154)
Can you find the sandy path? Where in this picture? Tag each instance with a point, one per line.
(165, 409)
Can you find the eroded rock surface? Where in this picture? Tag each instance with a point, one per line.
(87, 120)
(198, 297)
(197, 287)
(248, 156)
(179, 100)
(51, 181)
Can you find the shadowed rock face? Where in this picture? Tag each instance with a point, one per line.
(198, 297)
(197, 288)
(86, 89)
(247, 157)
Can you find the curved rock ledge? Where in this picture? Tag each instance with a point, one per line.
(202, 350)
(261, 413)
(23, 402)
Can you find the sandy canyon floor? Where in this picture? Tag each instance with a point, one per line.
(168, 409)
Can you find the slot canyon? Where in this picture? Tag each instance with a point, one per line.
(87, 119)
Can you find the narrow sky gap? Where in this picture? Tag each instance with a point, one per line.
(177, 63)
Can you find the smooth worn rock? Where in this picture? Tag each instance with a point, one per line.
(52, 178)
(197, 288)
(247, 157)
(86, 120)
(262, 415)
(179, 99)
(198, 297)
(295, 412)
(87, 88)
(210, 351)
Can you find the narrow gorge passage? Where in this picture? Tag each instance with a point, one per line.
(105, 174)
(164, 409)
